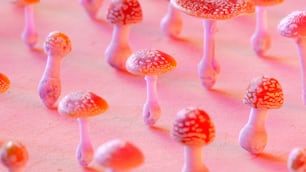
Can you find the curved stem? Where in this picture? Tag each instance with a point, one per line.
(29, 34)
(193, 160)
(91, 7)
(85, 150)
(171, 23)
(301, 42)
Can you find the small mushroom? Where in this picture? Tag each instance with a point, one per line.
(81, 105)
(121, 13)
(14, 156)
(211, 11)
(194, 129)
(150, 64)
(92, 7)
(261, 39)
(57, 46)
(118, 155)
(294, 26)
(171, 24)
(4, 83)
(297, 160)
(263, 93)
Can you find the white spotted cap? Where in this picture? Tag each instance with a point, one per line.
(297, 160)
(57, 44)
(293, 25)
(14, 154)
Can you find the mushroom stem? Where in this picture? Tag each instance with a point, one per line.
(151, 109)
(261, 40)
(253, 136)
(301, 42)
(193, 160)
(171, 23)
(29, 34)
(85, 149)
(119, 50)
(208, 68)
(53, 67)
(91, 7)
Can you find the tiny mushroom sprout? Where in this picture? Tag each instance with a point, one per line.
(4, 83)
(297, 160)
(261, 39)
(121, 13)
(14, 156)
(92, 7)
(29, 34)
(57, 46)
(150, 64)
(194, 129)
(263, 93)
(294, 26)
(81, 105)
(118, 156)
(211, 11)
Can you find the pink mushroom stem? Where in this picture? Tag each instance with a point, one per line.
(29, 35)
(91, 7)
(171, 24)
(261, 40)
(301, 42)
(253, 136)
(85, 149)
(193, 159)
(119, 50)
(151, 109)
(208, 68)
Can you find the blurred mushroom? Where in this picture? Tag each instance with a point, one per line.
(211, 11)
(14, 156)
(121, 13)
(81, 105)
(4, 83)
(91, 7)
(261, 39)
(263, 93)
(57, 46)
(194, 129)
(294, 26)
(150, 64)
(297, 160)
(118, 155)
(171, 24)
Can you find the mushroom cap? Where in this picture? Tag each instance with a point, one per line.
(25, 2)
(193, 127)
(123, 12)
(293, 25)
(119, 155)
(267, 2)
(296, 160)
(57, 44)
(4, 83)
(150, 62)
(264, 93)
(14, 154)
(214, 9)
(82, 104)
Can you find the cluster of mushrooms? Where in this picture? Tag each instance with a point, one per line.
(192, 127)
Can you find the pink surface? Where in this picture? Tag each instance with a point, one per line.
(51, 139)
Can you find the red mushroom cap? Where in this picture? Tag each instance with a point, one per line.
(14, 154)
(193, 127)
(57, 43)
(4, 83)
(216, 9)
(267, 2)
(293, 25)
(264, 93)
(150, 62)
(123, 12)
(25, 2)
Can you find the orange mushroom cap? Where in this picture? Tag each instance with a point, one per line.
(25, 2)
(14, 154)
(57, 43)
(4, 83)
(293, 25)
(267, 2)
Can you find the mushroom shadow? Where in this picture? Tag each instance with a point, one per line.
(161, 131)
(271, 160)
(39, 52)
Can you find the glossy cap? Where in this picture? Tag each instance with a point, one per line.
(4, 83)
(293, 25)
(150, 62)
(57, 44)
(193, 127)
(14, 154)
(297, 160)
(123, 12)
(82, 104)
(264, 93)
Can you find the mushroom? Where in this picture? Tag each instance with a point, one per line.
(29, 34)
(211, 11)
(261, 39)
(4, 83)
(57, 46)
(294, 26)
(194, 129)
(81, 105)
(263, 93)
(150, 64)
(91, 7)
(297, 160)
(14, 156)
(171, 24)
(121, 13)
(118, 155)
